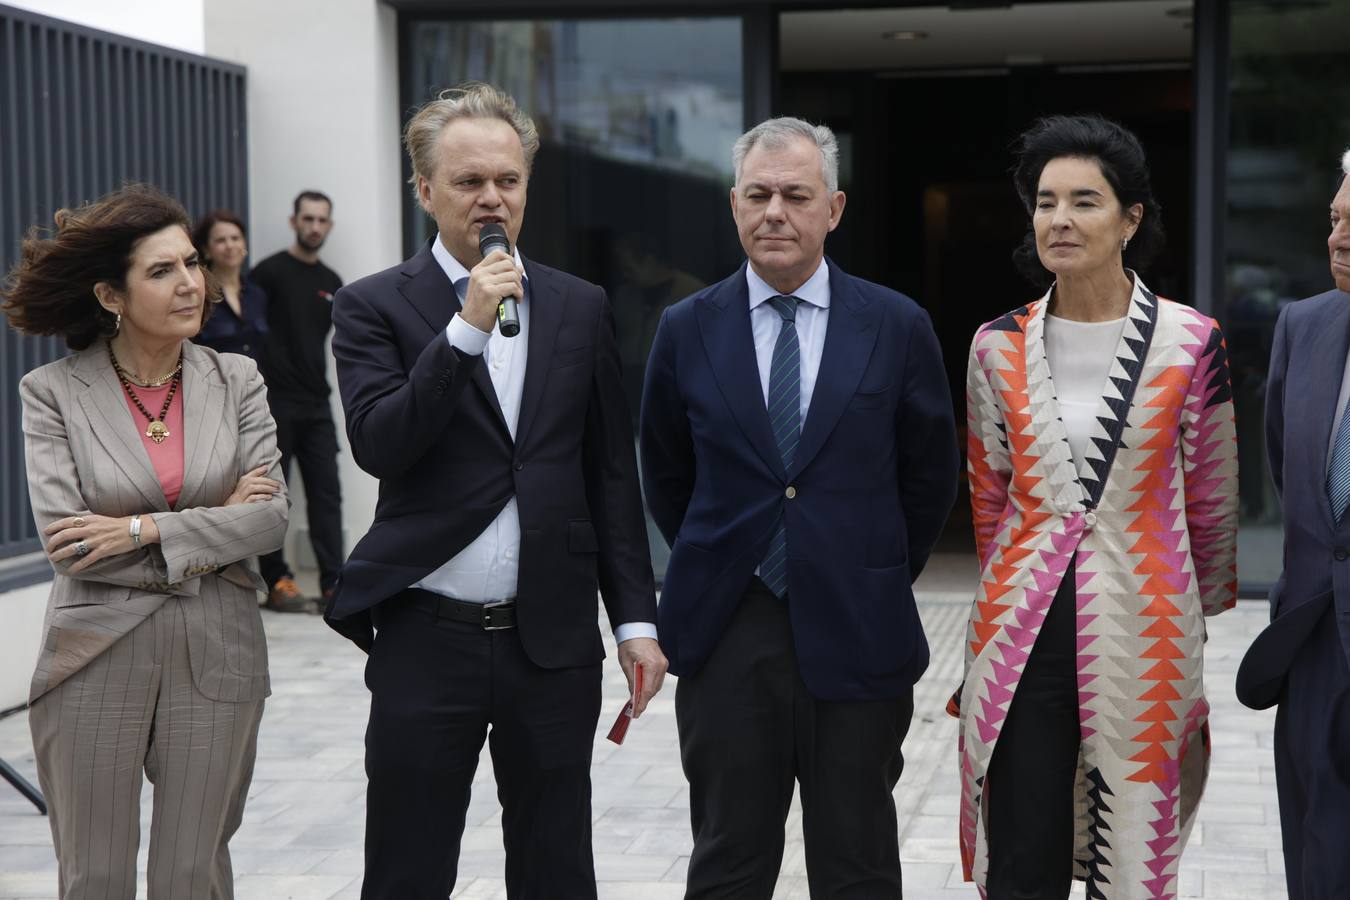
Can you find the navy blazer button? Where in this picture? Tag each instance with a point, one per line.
(1341, 554)
(519, 466)
(791, 492)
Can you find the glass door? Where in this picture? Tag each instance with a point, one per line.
(1289, 123)
(637, 117)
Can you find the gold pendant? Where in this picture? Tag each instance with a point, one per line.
(157, 432)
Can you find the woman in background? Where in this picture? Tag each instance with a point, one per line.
(240, 323)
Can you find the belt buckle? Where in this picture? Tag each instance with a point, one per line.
(487, 615)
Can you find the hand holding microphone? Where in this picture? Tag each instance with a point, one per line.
(495, 286)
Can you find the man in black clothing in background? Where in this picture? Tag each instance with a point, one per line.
(294, 364)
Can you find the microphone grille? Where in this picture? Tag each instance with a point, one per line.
(492, 236)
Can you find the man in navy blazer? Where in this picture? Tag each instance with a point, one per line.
(799, 455)
(508, 494)
(1299, 661)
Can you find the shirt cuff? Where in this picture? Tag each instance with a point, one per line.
(465, 338)
(630, 630)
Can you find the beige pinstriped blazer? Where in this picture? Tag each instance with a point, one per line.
(84, 456)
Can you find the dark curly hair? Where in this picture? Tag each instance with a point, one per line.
(51, 288)
(1121, 157)
(201, 232)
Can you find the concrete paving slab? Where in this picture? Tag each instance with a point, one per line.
(302, 831)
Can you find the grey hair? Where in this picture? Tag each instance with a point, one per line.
(1345, 164)
(471, 100)
(775, 134)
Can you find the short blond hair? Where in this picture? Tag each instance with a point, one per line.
(471, 100)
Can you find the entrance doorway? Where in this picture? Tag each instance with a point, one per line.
(927, 103)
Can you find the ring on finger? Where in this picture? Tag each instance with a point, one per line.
(79, 522)
(82, 549)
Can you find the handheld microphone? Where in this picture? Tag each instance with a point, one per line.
(493, 237)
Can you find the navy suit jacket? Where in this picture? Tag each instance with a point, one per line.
(874, 477)
(1306, 363)
(424, 419)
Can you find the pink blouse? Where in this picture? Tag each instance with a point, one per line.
(167, 457)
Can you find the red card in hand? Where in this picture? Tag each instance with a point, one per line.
(620, 729)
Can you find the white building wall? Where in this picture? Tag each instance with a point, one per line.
(322, 114)
(170, 23)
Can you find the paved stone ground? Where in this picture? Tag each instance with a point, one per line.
(301, 837)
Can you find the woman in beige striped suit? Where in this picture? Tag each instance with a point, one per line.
(153, 473)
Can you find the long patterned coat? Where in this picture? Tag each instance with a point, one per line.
(1152, 517)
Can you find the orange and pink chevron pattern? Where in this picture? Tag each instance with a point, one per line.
(1149, 521)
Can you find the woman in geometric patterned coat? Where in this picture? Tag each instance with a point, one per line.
(1103, 476)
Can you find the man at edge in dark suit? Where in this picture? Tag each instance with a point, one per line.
(1299, 661)
(799, 454)
(508, 494)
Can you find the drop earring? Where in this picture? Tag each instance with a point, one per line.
(117, 325)
(1124, 243)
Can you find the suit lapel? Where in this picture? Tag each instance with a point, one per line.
(547, 303)
(724, 323)
(1326, 358)
(430, 293)
(1113, 407)
(1127, 368)
(203, 410)
(105, 407)
(850, 336)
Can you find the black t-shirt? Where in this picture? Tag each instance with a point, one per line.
(299, 315)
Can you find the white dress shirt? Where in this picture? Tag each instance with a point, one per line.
(1080, 356)
(813, 314)
(488, 569)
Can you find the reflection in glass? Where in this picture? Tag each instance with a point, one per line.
(1290, 122)
(657, 92)
(636, 121)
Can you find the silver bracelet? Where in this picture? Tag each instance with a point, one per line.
(136, 531)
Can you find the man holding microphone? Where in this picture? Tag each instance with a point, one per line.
(508, 494)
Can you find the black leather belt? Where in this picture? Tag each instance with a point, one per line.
(495, 616)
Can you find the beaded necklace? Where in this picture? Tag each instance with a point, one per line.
(156, 431)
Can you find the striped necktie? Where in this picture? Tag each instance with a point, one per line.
(785, 410)
(1338, 473)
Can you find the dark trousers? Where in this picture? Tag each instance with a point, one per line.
(748, 730)
(436, 687)
(306, 434)
(1312, 767)
(1030, 782)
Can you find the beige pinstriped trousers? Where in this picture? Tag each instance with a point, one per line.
(135, 708)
